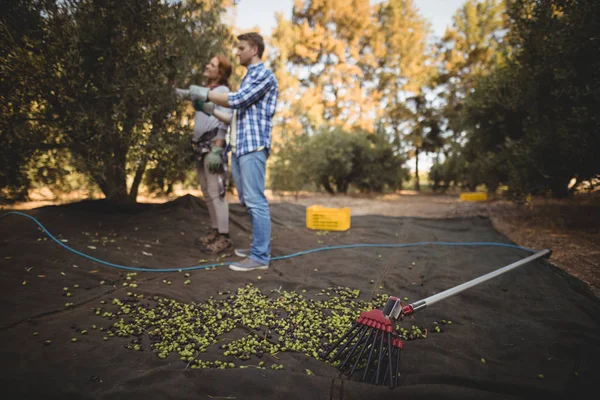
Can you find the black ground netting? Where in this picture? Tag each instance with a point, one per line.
(532, 332)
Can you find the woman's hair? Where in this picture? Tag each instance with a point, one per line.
(224, 70)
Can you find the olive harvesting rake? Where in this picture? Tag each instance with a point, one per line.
(371, 344)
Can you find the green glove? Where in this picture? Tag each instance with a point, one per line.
(214, 159)
(207, 108)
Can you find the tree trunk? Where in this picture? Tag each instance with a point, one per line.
(417, 184)
(158, 119)
(327, 186)
(139, 174)
(559, 186)
(115, 184)
(436, 177)
(113, 181)
(342, 187)
(492, 187)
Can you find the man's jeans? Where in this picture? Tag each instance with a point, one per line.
(249, 176)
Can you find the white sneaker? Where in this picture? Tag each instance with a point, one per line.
(247, 265)
(242, 252)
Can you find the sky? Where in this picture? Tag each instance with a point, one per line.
(261, 13)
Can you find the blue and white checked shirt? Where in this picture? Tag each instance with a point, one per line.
(255, 103)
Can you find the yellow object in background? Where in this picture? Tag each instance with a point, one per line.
(473, 196)
(327, 219)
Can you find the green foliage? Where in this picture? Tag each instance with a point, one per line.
(21, 31)
(336, 160)
(351, 67)
(91, 77)
(533, 123)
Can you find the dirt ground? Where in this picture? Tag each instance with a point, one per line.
(570, 228)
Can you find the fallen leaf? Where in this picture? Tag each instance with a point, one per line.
(92, 247)
(63, 274)
(41, 276)
(309, 372)
(146, 254)
(64, 240)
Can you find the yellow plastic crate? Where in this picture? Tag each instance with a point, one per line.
(473, 196)
(327, 219)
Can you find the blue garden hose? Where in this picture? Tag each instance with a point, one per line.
(348, 246)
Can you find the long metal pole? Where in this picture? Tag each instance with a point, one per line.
(457, 289)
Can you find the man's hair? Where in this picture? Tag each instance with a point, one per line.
(254, 39)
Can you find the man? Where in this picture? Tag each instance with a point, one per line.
(254, 106)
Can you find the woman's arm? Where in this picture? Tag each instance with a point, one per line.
(223, 116)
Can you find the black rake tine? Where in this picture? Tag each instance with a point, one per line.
(373, 347)
(344, 349)
(385, 374)
(352, 328)
(387, 353)
(397, 366)
(371, 335)
(347, 343)
(352, 351)
(375, 377)
(379, 359)
(390, 353)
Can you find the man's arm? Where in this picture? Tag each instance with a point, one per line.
(247, 95)
(220, 99)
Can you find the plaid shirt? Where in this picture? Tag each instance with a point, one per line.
(255, 103)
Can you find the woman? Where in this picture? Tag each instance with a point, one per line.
(208, 142)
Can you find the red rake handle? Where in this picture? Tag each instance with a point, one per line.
(394, 308)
